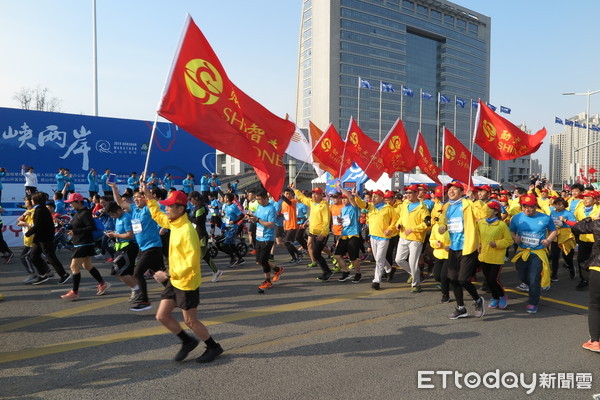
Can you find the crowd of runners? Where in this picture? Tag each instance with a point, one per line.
(447, 234)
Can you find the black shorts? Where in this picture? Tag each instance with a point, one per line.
(87, 250)
(151, 258)
(252, 227)
(278, 231)
(350, 246)
(184, 299)
(215, 220)
(263, 251)
(290, 235)
(124, 260)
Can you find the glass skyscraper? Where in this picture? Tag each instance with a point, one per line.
(426, 47)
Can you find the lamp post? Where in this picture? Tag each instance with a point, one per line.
(587, 131)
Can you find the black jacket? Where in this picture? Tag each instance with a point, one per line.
(43, 225)
(83, 226)
(590, 226)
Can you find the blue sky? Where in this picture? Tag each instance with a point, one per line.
(539, 50)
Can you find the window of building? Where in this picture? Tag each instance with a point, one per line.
(473, 28)
(461, 25)
(422, 10)
(408, 5)
(434, 14)
(448, 20)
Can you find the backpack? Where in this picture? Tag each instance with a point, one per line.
(98, 232)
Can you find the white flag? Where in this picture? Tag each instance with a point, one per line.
(300, 149)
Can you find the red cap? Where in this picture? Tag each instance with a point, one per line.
(544, 190)
(412, 187)
(176, 197)
(485, 187)
(504, 191)
(494, 205)
(423, 186)
(503, 199)
(343, 196)
(591, 193)
(493, 196)
(378, 192)
(455, 184)
(427, 196)
(389, 194)
(528, 200)
(317, 190)
(439, 191)
(74, 197)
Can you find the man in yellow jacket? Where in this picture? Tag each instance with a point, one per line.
(458, 218)
(318, 228)
(413, 222)
(586, 208)
(381, 227)
(184, 278)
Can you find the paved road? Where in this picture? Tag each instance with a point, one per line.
(301, 340)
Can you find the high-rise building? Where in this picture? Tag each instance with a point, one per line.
(570, 144)
(423, 47)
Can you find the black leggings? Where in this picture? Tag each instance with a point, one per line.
(49, 251)
(318, 246)
(594, 306)
(555, 252)
(583, 253)
(440, 274)
(392, 247)
(460, 271)
(492, 273)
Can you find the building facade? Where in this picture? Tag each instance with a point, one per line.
(418, 48)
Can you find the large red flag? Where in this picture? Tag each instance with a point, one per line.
(395, 151)
(457, 161)
(363, 151)
(501, 139)
(200, 98)
(424, 160)
(314, 135)
(329, 150)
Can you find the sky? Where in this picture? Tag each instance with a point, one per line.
(539, 49)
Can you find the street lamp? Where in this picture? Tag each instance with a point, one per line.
(587, 131)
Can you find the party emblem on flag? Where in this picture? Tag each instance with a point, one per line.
(395, 143)
(450, 152)
(203, 81)
(354, 137)
(326, 144)
(489, 129)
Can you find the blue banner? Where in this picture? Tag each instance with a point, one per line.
(48, 141)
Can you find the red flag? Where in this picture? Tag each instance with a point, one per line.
(396, 152)
(457, 159)
(501, 139)
(424, 160)
(363, 151)
(329, 151)
(314, 135)
(200, 98)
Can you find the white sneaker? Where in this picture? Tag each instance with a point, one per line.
(216, 275)
(100, 257)
(523, 287)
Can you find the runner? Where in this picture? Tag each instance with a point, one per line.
(349, 242)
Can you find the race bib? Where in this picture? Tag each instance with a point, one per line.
(136, 225)
(345, 221)
(336, 221)
(286, 216)
(260, 231)
(530, 239)
(226, 220)
(455, 225)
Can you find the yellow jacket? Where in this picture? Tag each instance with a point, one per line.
(27, 218)
(380, 220)
(580, 214)
(184, 249)
(414, 220)
(543, 255)
(497, 232)
(469, 223)
(481, 210)
(320, 216)
(439, 252)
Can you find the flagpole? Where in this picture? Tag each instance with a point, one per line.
(380, 96)
(472, 139)
(401, 100)
(443, 149)
(437, 131)
(358, 106)
(310, 155)
(344, 152)
(420, 108)
(150, 145)
(455, 115)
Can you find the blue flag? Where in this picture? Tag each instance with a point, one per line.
(387, 87)
(462, 103)
(492, 107)
(504, 110)
(363, 83)
(558, 120)
(474, 104)
(578, 125)
(444, 99)
(426, 96)
(595, 128)
(569, 123)
(407, 91)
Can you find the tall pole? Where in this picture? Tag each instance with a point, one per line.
(437, 131)
(380, 95)
(420, 107)
(587, 135)
(95, 59)
(358, 100)
(401, 100)
(455, 115)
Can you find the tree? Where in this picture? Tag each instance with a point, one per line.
(37, 99)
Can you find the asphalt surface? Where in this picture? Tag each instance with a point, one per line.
(303, 339)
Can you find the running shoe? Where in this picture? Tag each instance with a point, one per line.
(277, 274)
(409, 280)
(553, 279)
(135, 295)
(40, 280)
(64, 279)
(30, 279)
(186, 348)
(325, 277)
(233, 262)
(546, 288)
(523, 287)
(100, 257)
(445, 298)
(345, 276)
(592, 346)
(210, 354)
(141, 307)
(503, 302)
(357, 278)
(9, 257)
(312, 264)
(216, 276)
(253, 252)
(266, 285)
(390, 275)
(480, 307)
(102, 288)
(70, 296)
(375, 286)
(416, 289)
(239, 262)
(459, 313)
(582, 285)
(531, 309)
(494, 303)
(336, 268)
